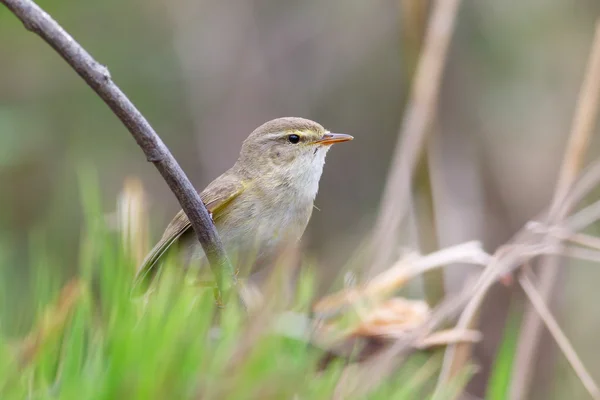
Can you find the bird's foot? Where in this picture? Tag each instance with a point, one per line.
(218, 300)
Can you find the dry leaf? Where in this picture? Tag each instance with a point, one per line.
(393, 318)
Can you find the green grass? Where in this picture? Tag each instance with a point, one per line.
(97, 342)
(500, 379)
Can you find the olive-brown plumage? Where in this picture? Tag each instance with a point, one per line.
(263, 201)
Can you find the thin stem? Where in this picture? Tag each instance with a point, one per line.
(561, 339)
(581, 133)
(422, 106)
(414, 16)
(98, 78)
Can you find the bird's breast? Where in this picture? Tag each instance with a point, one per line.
(261, 224)
(256, 225)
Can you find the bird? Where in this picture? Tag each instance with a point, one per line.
(258, 206)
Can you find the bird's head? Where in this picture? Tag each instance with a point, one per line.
(288, 152)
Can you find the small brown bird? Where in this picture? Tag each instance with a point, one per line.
(262, 202)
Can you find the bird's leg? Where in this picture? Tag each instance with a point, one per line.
(206, 284)
(218, 299)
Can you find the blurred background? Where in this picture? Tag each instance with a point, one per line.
(207, 72)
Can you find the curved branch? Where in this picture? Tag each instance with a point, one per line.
(98, 78)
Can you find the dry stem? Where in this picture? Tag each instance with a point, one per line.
(420, 110)
(561, 339)
(581, 132)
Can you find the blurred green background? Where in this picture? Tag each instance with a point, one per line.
(207, 72)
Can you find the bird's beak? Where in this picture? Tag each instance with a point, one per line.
(331, 138)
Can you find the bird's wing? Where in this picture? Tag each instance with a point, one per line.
(215, 197)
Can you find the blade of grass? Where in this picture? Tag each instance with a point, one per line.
(499, 383)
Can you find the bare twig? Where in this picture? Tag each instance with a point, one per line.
(443, 338)
(414, 22)
(585, 240)
(434, 286)
(413, 16)
(583, 125)
(525, 245)
(585, 217)
(395, 277)
(539, 304)
(365, 377)
(421, 107)
(581, 132)
(532, 241)
(589, 179)
(98, 78)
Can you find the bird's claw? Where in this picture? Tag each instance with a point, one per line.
(218, 299)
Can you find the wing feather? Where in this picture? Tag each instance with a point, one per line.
(215, 197)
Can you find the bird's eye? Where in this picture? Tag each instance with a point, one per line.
(294, 139)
